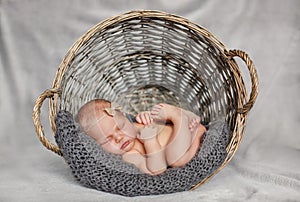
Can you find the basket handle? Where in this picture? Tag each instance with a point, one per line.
(254, 79)
(37, 121)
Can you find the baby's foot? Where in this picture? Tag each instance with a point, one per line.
(165, 112)
(194, 120)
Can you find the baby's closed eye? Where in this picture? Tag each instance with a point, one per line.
(106, 140)
(120, 125)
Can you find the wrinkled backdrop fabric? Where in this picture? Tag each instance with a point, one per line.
(36, 34)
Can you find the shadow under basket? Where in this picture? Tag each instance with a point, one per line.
(142, 58)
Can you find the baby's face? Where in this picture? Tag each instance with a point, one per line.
(115, 133)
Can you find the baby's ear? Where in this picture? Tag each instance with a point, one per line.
(110, 111)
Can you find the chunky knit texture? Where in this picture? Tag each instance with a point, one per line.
(104, 171)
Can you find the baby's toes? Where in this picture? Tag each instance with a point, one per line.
(157, 108)
(197, 119)
(154, 113)
(191, 127)
(158, 113)
(194, 124)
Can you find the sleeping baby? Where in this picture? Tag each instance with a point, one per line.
(166, 136)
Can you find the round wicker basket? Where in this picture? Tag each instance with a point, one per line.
(145, 57)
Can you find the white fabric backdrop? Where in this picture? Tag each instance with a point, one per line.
(36, 34)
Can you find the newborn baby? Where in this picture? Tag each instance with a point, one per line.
(165, 136)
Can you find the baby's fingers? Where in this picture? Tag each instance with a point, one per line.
(147, 118)
(144, 118)
(138, 119)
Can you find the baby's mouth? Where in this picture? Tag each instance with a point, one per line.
(125, 144)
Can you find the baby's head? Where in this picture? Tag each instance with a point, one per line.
(108, 126)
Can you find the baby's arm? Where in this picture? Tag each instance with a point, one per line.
(155, 154)
(138, 160)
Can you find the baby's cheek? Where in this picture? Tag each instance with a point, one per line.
(111, 148)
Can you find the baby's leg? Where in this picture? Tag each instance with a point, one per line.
(184, 125)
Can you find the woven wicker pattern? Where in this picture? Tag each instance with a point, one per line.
(144, 61)
(145, 57)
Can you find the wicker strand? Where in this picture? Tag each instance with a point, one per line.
(37, 121)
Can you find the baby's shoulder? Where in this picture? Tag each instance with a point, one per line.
(136, 159)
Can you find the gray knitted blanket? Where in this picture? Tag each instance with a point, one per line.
(107, 172)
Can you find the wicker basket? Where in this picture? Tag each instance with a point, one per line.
(145, 57)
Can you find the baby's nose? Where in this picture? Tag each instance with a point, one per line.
(118, 138)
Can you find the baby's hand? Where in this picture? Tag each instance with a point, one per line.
(144, 118)
(147, 133)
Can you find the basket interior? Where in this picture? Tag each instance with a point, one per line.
(142, 61)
